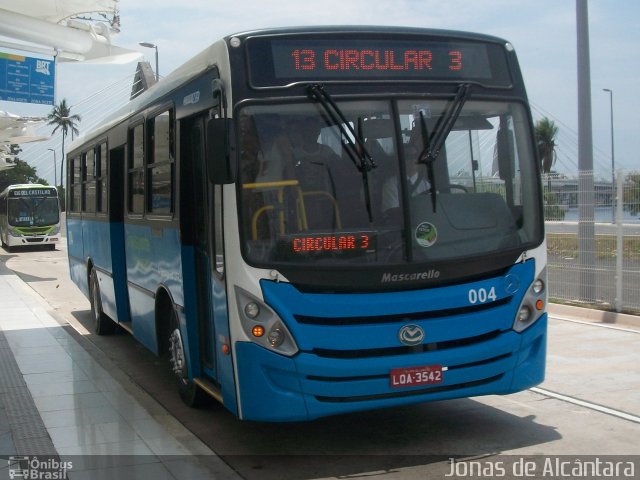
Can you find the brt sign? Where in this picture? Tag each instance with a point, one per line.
(26, 79)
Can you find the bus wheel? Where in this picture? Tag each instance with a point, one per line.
(102, 324)
(189, 391)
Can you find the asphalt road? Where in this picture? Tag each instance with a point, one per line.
(588, 405)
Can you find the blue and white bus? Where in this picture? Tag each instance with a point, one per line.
(29, 216)
(322, 220)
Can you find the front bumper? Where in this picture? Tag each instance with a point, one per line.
(311, 385)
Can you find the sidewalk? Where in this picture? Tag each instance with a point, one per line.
(57, 402)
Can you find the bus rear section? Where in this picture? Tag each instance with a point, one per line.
(30, 216)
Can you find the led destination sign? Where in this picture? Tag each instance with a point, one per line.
(337, 243)
(363, 59)
(33, 192)
(282, 61)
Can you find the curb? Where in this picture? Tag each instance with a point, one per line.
(591, 315)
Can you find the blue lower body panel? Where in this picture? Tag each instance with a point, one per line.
(311, 385)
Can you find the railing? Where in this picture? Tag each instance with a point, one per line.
(594, 246)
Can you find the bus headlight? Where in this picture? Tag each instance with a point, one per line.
(263, 326)
(14, 232)
(533, 304)
(524, 315)
(538, 286)
(276, 337)
(252, 310)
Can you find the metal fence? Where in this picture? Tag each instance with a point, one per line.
(593, 240)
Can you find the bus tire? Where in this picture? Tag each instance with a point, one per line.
(189, 392)
(102, 324)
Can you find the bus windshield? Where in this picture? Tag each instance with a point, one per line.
(307, 197)
(33, 212)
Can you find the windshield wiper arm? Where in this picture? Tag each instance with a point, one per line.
(428, 160)
(354, 145)
(434, 143)
(356, 148)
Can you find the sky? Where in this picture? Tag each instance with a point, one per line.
(543, 33)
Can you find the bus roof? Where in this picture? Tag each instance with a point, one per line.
(374, 29)
(218, 51)
(205, 60)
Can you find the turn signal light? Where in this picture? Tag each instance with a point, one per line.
(258, 331)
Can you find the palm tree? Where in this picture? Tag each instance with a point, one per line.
(61, 117)
(546, 131)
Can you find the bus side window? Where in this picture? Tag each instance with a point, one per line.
(160, 164)
(101, 178)
(135, 181)
(218, 237)
(89, 182)
(74, 185)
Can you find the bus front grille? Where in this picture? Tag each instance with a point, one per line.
(403, 350)
(400, 317)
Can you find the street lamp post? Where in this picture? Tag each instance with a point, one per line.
(55, 175)
(613, 162)
(152, 45)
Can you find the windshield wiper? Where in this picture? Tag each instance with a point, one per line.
(434, 143)
(354, 145)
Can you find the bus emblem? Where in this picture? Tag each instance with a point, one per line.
(411, 335)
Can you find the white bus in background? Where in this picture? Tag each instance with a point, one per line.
(29, 216)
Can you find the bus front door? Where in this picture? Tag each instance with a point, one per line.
(197, 228)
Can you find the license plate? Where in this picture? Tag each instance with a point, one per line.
(414, 376)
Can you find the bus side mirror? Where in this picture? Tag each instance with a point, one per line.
(219, 152)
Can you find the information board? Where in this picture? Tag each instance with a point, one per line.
(26, 79)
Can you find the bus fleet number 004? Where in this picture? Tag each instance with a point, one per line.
(482, 295)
